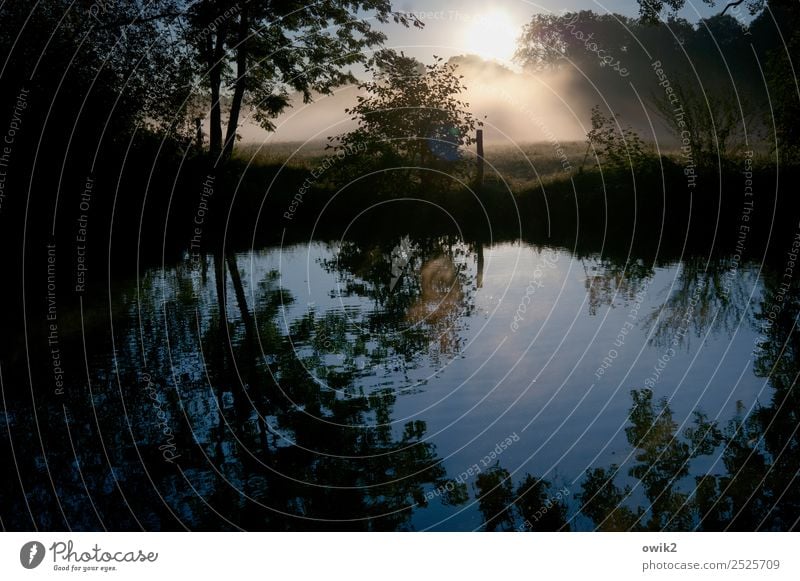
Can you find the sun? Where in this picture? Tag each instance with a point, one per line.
(493, 36)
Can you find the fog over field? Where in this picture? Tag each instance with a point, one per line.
(515, 106)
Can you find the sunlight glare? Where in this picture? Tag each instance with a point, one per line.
(492, 36)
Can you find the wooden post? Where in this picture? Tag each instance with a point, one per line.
(479, 141)
(479, 251)
(198, 138)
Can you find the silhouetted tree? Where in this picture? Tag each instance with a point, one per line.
(777, 48)
(652, 9)
(615, 147)
(409, 117)
(605, 51)
(255, 53)
(147, 58)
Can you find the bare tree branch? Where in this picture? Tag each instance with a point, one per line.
(731, 5)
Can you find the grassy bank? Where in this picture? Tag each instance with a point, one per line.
(145, 209)
(529, 192)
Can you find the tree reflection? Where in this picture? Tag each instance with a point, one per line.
(757, 491)
(542, 508)
(257, 440)
(662, 462)
(532, 506)
(764, 455)
(440, 303)
(707, 296)
(610, 282)
(754, 459)
(212, 402)
(495, 493)
(424, 290)
(333, 459)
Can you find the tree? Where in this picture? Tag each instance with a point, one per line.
(615, 147)
(652, 9)
(257, 52)
(93, 78)
(409, 115)
(86, 96)
(783, 52)
(778, 51)
(254, 53)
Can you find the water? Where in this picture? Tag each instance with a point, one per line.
(416, 384)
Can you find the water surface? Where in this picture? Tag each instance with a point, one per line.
(426, 384)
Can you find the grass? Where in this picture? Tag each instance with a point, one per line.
(295, 154)
(521, 166)
(528, 165)
(556, 191)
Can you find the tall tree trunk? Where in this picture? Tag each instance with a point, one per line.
(241, 299)
(216, 54)
(229, 376)
(239, 86)
(219, 279)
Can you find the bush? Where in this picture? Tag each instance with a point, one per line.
(410, 118)
(615, 147)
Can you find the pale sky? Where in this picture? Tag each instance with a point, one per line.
(454, 27)
(485, 28)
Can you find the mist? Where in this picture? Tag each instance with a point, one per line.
(515, 107)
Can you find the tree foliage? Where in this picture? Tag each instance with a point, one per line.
(163, 63)
(615, 147)
(257, 53)
(715, 67)
(410, 115)
(99, 75)
(774, 33)
(651, 10)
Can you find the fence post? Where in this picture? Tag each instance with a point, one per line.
(479, 141)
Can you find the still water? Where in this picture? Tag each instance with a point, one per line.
(423, 384)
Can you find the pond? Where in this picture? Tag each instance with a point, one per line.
(418, 384)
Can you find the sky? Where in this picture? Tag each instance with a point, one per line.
(485, 28)
(489, 27)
